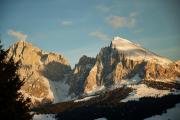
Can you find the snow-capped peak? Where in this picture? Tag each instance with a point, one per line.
(123, 44)
(134, 51)
(121, 39)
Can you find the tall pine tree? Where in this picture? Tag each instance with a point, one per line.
(13, 106)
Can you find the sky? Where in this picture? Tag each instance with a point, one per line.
(82, 27)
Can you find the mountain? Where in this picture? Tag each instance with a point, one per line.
(124, 81)
(50, 79)
(44, 73)
(122, 62)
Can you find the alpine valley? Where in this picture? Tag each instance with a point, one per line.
(124, 81)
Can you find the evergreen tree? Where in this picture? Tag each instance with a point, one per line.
(13, 106)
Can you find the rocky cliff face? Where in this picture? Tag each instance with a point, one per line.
(154, 71)
(39, 70)
(79, 74)
(124, 60)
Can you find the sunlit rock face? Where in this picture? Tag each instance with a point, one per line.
(39, 70)
(154, 71)
(124, 60)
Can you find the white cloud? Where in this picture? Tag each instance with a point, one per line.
(99, 35)
(18, 35)
(103, 8)
(133, 14)
(66, 23)
(121, 21)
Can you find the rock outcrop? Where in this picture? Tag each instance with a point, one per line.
(38, 69)
(79, 74)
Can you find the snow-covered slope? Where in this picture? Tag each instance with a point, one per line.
(60, 90)
(85, 98)
(143, 90)
(135, 52)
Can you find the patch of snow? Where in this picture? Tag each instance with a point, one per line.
(96, 89)
(60, 91)
(143, 90)
(125, 82)
(100, 119)
(100, 88)
(136, 79)
(120, 63)
(118, 85)
(86, 98)
(44, 117)
(172, 114)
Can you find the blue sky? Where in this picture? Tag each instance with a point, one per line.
(76, 27)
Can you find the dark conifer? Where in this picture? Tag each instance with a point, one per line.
(13, 106)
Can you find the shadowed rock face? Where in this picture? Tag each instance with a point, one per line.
(38, 68)
(79, 74)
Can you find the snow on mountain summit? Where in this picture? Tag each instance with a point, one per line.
(121, 39)
(135, 52)
(123, 44)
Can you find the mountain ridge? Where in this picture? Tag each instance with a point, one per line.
(49, 76)
(114, 63)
